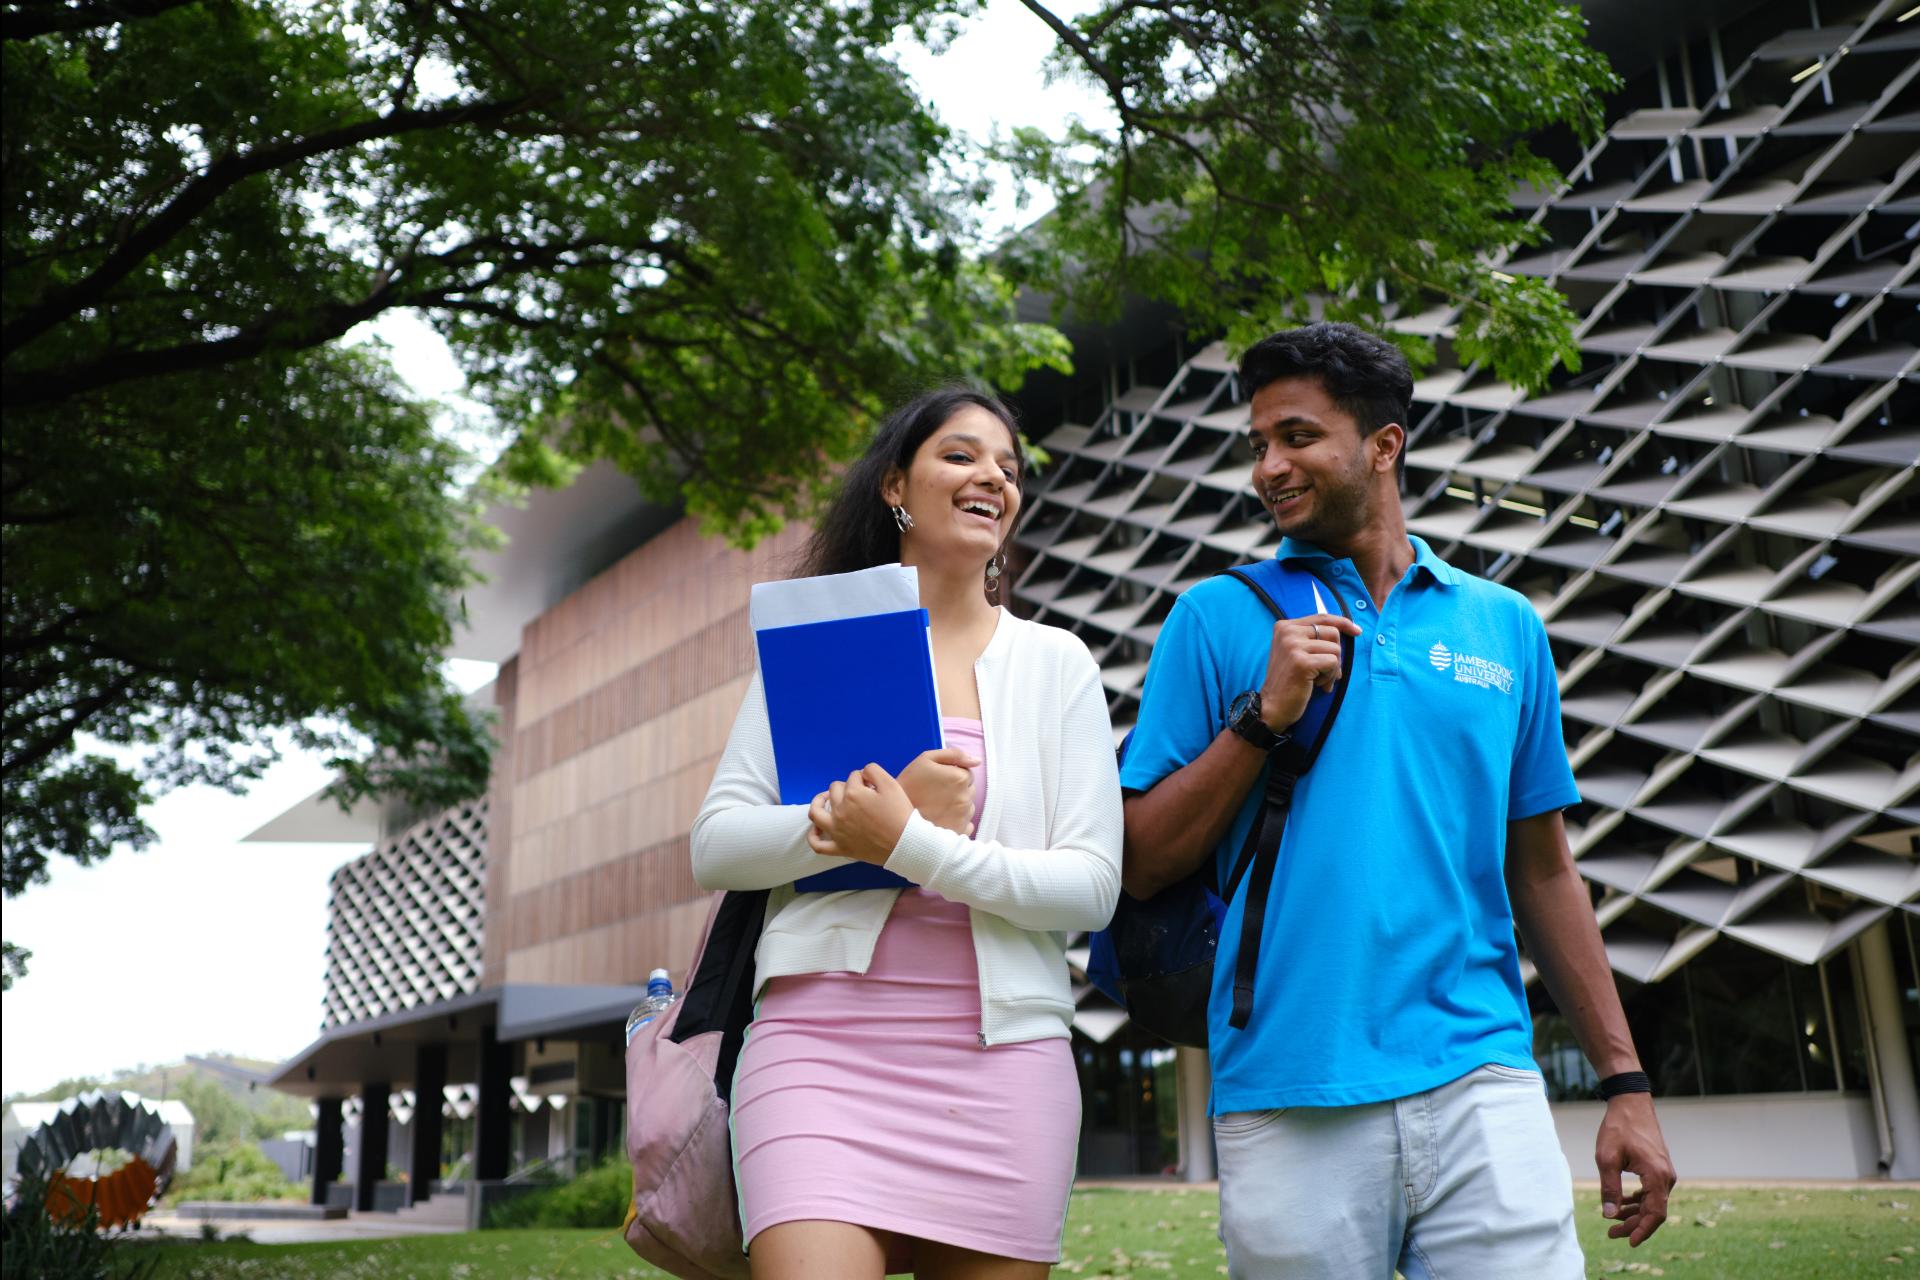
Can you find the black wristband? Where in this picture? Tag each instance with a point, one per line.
(1625, 1082)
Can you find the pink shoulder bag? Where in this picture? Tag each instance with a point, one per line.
(685, 1214)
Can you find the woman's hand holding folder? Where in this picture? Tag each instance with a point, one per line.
(862, 817)
(940, 784)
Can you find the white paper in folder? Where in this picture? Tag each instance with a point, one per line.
(885, 588)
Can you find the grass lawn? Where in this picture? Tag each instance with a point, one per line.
(1760, 1234)
(1719, 1234)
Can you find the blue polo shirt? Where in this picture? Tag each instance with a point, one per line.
(1388, 964)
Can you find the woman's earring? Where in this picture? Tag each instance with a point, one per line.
(901, 518)
(995, 567)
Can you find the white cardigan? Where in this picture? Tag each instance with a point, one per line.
(1044, 860)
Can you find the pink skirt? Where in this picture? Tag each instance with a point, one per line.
(869, 1099)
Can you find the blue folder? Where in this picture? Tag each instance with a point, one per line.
(841, 695)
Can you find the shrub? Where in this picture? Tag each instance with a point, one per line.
(597, 1198)
(34, 1247)
(232, 1171)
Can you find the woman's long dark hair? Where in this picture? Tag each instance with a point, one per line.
(857, 530)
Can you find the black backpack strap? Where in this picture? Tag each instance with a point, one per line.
(1250, 848)
(1270, 825)
(1261, 855)
(720, 996)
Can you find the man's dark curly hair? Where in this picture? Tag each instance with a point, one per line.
(1366, 376)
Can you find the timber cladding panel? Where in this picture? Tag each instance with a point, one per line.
(616, 711)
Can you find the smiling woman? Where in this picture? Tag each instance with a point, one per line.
(915, 1042)
(859, 529)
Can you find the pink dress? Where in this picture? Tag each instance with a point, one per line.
(868, 1097)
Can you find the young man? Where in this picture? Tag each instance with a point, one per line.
(1381, 1108)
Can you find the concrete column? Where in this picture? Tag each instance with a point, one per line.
(606, 1118)
(329, 1148)
(429, 1086)
(559, 1129)
(370, 1163)
(493, 1117)
(533, 1130)
(1895, 1090)
(1194, 1079)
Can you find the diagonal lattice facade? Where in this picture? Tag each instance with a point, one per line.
(405, 922)
(1718, 517)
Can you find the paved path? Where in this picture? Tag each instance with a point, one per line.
(442, 1215)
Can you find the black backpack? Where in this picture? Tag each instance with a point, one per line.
(1157, 957)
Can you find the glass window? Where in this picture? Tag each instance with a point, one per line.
(1660, 1015)
(1733, 1020)
(1129, 1120)
(1906, 969)
(1743, 1013)
(1662, 1027)
(1848, 1032)
(1570, 1077)
(1818, 1058)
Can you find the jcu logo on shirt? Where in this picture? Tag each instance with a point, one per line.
(1467, 669)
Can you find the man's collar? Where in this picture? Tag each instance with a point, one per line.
(1423, 557)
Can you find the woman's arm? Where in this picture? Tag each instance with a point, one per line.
(1075, 881)
(744, 838)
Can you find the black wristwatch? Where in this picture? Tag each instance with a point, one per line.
(1243, 717)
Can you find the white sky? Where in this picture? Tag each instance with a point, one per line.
(203, 944)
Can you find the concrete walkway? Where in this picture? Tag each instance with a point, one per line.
(441, 1215)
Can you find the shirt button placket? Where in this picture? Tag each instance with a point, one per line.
(1386, 663)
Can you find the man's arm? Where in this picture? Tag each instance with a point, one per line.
(1173, 827)
(1555, 917)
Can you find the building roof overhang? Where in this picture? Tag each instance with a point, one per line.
(384, 1049)
(556, 541)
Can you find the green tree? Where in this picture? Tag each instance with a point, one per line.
(69, 1087)
(1274, 159)
(704, 241)
(219, 1118)
(699, 238)
(274, 548)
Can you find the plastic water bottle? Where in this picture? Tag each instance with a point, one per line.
(660, 998)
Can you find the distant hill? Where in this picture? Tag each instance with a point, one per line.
(227, 1095)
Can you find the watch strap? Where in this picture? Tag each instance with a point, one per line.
(1249, 727)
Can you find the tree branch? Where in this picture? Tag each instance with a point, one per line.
(327, 324)
(274, 332)
(38, 747)
(16, 25)
(218, 179)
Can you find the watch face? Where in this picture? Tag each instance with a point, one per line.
(1239, 707)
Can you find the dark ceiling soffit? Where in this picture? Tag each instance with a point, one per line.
(426, 1021)
(1635, 33)
(519, 1011)
(564, 1013)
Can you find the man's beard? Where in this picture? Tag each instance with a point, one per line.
(1340, 510)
